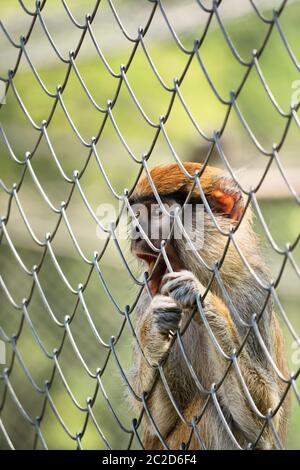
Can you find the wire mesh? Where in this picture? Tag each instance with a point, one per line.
(46, 327)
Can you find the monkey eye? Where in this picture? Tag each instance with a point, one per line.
(134, 216)
(157, 211)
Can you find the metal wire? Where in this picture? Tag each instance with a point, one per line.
(11, 391)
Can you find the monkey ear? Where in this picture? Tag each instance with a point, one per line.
(227, 200)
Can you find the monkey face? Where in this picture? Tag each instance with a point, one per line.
(150, 226)
(152, 223)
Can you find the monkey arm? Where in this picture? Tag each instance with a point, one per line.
(261, 383)
(153, 332)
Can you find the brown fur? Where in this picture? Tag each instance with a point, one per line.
(247, 297)
(174, 179)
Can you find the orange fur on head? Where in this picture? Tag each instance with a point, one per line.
(169, 178)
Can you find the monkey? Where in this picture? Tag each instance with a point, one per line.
(242, 391)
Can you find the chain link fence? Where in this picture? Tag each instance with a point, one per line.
(75, 135)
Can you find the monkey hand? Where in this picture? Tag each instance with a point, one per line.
(183, 287)
(162, 321)
(166, 315)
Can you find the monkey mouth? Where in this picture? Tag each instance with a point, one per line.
(156, 269)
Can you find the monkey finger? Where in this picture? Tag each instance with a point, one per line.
(166, 321)
(183, 288)
(163, 301)
(183, 276)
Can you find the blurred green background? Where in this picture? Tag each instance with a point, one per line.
(279, 208)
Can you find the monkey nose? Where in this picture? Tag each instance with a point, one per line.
(135, 232)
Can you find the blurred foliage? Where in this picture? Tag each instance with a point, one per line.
(108, 323)
(226, 73)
